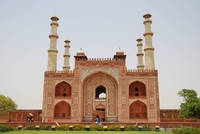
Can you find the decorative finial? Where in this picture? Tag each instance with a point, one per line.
(147, 16)
(54, 18)
(81, 51)
(120, 50)
(67, 41)
(139, 39)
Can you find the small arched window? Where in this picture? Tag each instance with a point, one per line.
(100, 92)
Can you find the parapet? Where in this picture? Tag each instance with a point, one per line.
(141, 72)
(59, 74)
(100, 62)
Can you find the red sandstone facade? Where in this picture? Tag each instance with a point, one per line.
(130, 95)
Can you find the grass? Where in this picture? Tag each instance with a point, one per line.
(83, 132)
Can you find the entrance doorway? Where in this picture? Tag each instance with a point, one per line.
(101, 114)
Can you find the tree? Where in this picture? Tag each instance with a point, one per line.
(6, 104)
(190, 108)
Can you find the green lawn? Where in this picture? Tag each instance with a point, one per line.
(82, 132)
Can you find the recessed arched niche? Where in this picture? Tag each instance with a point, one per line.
(138, 110)
(62, 110)
(63, 89)
(137, 89)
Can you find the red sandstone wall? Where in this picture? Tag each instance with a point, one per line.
(4, 117)
(21, 115)
(172, 115)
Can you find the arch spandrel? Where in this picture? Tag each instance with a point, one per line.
(138, 99)
(60, 81)
(112, 71)
(100, 106)
(89, 76)
(60, 100)
(139, 80)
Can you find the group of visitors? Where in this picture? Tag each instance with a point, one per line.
(30, 117)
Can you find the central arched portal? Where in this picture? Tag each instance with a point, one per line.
(100, 89)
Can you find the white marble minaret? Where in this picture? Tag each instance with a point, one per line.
(140, 54)
(52, 51)
(149, 50)
(66, 55)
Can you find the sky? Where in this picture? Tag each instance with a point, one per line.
(100, 27)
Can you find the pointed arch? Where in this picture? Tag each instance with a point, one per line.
(63, 89)
(138, 110)
(137, 89)
(62, 110)
(100, 106)
(100, 112)
(99, 72)
(89, 85)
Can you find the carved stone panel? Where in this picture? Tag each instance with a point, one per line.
(110, 70)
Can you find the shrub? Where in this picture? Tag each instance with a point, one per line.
(130, 128)
(99, 127)
(63, 127)
(78, 127)
(113, 127)
(4, 128)
(41, 127)
(45, 127)
(96, 127)
(30, 128)
(147, 128)
(175, 130)
(186, 130)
